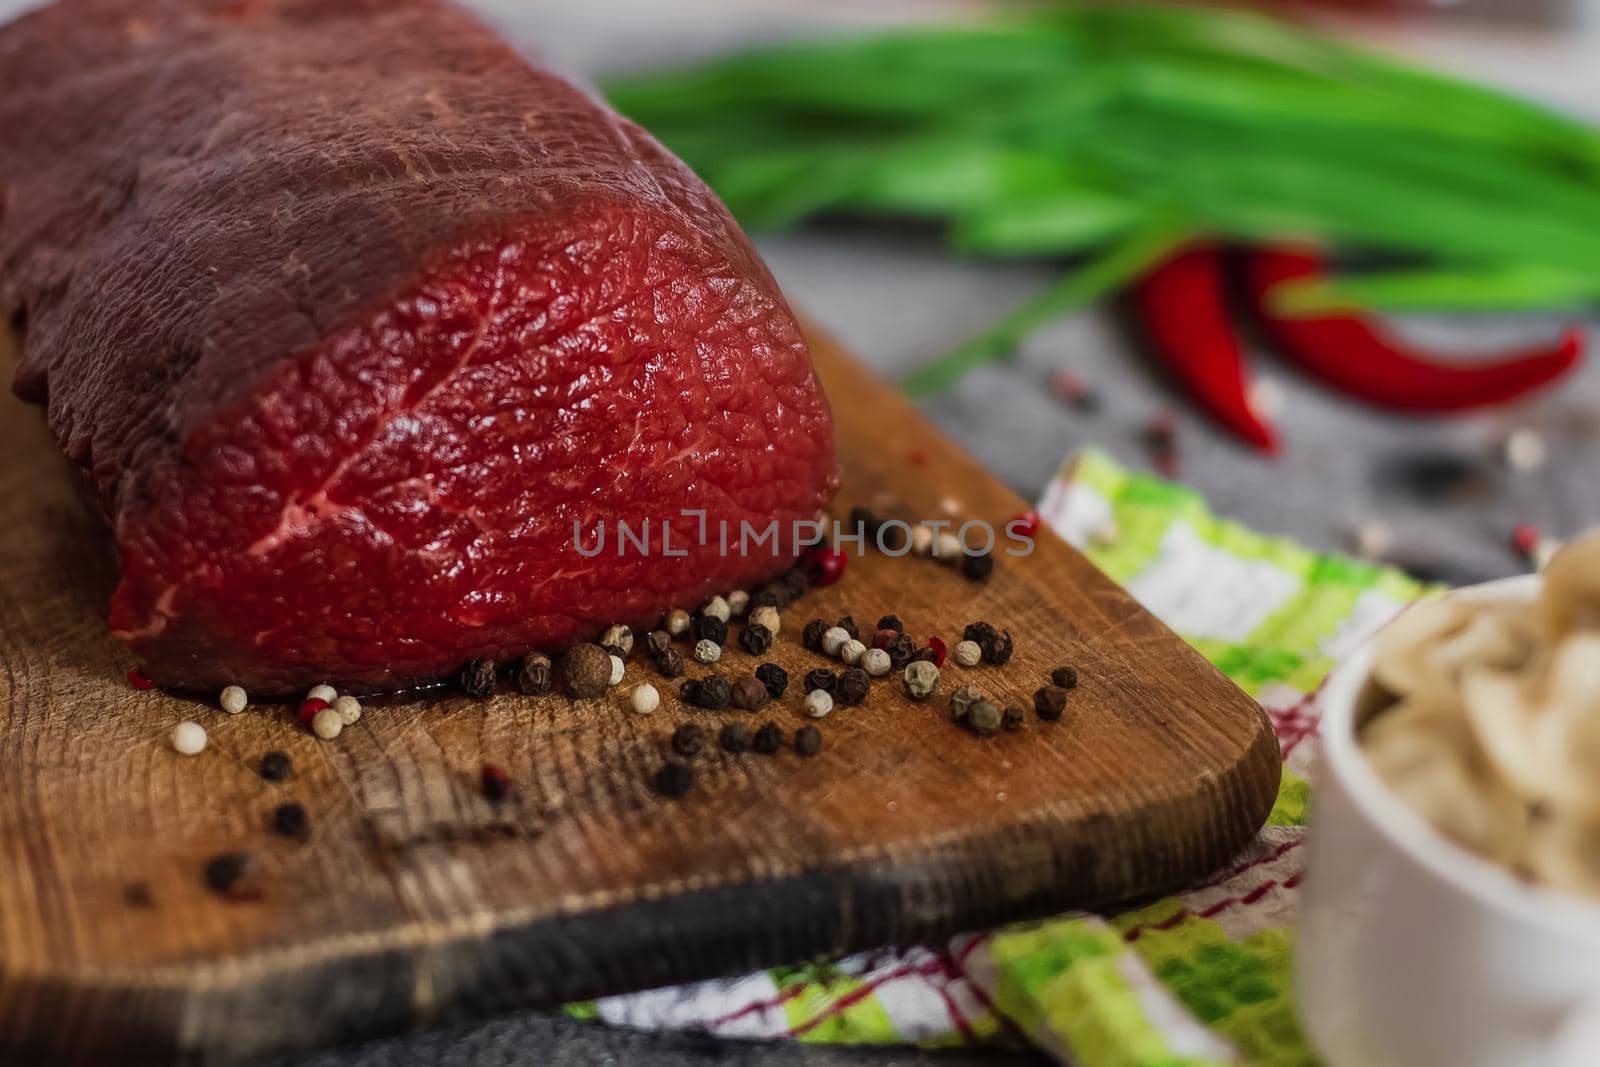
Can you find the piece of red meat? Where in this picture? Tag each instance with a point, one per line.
(350, 313)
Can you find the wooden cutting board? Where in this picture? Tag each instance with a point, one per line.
(415, 899)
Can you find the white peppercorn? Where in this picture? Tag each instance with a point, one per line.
(948, 548)
(717, 607)
(875, 661)
(327, 724)
(676, 623)
(921, 678)
(818, 704)
(967, 653)
(349, 709)
(852, 652)
(644, 698)
(767, 616)
(189, 738)
(738, 602)
(617, 669)
(921, 539)
(233, 699)
(325, 693)
(617, 636)
(833, 640)
(707, 651)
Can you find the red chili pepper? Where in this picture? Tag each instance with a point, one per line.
(1184, 309)
(939, 650)
(1353, 354)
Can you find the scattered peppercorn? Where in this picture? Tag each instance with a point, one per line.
(1011, 717)
(894, 537)
(901, 650)
(852, 651)
(689, 691)
(876, 662)
(349, 709)
(797, 581)
(676, 622)
(939, 649)
(138, 895)
(756, 639)
(921, 678)
(961, 702)
(822, 679)
(618, 636)
(657, 642)
(670, 663)
(715, 693)
(848, 625)
(533, 675)
(477, 678)
(290, 820)
(707, 651)
(811, 636)
(819, 704)
(614, 651)
(977, 566)
(881, 638)
(710, 628)
(735, 737)
(891, 622)
(826, 565)
(738, 602)
(325, 693)
(1050, 702)
(586, 669)
(968, 653)
(750, 694)
(775, 678)
(765, 597)
(307, 712)
(808, 740)
(779, 595)
(688, 739)
(983, 718)
(862, 520)
(853, 687)
(327, 724)
(833, 640)
(644, 699)
(188, 738)
(998, 651)
(494, 782)
(618, 668)
(767, 616)
(1065, 677)
(233, 699)
(276, 766)
(674, 779)
(979, 633)
(223, 872)
(768, 739)
(137, 679)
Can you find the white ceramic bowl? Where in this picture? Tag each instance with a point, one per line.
(1415, 953)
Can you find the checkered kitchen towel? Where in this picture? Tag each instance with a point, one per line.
(1195, 980)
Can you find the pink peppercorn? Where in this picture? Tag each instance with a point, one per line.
(1025, 525)
(1526, 538)
(308, 710)
(939, 650)
(825, 565)
(882, 638)
(137, 679)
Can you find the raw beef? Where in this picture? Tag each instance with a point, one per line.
(350, 314)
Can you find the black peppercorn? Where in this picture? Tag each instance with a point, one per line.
(670, 663)
(768, 739)
(977, 566)
(894, 537)
(998, 650)
(688, 739)
(756, 639)
(1050, 702)
(1065, 677)
(901, 649)
(493, 782)
(797, 582)
(735, 737)
(615, 650)
(138, 895)
(852, 688)
(750, 694)
(848, 625)
(811, 636)
(808, 740)
(290, 820)
(891, 622)
(927, 654)
(657, 642)
(775, 678)
(764, 597)
(862, 521)
(223, 872)
(533, 675)
(715, 693)
(689, 691)
(710, 628)
(586, 669)
(674, 779)
(822, 679)
(276, 766)
(782, 594)
(477, 678)
(979, 633)
(1011, 717)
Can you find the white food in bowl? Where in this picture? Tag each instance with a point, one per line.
(1413, 951)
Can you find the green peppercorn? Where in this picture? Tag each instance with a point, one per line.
(984, 718)
(921, 678)
(961, 702)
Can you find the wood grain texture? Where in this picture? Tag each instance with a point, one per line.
(416, 900)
